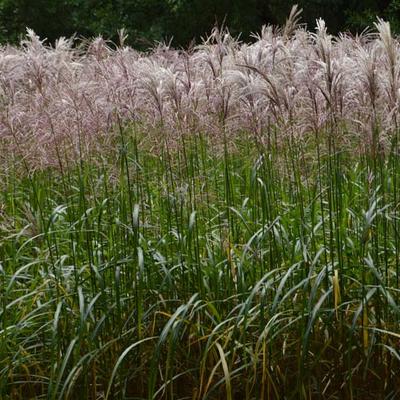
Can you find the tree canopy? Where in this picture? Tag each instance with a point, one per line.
(181, 21)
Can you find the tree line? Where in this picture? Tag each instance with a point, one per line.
(180, 21)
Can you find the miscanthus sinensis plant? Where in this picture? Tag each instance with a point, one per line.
(219, 223)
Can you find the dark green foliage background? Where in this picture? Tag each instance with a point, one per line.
(180, 20)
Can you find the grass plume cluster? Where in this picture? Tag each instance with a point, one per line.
(65, 100)
(220, 223)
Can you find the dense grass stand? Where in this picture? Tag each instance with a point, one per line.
(207, 225)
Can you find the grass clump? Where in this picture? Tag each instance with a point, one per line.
(216, 223)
